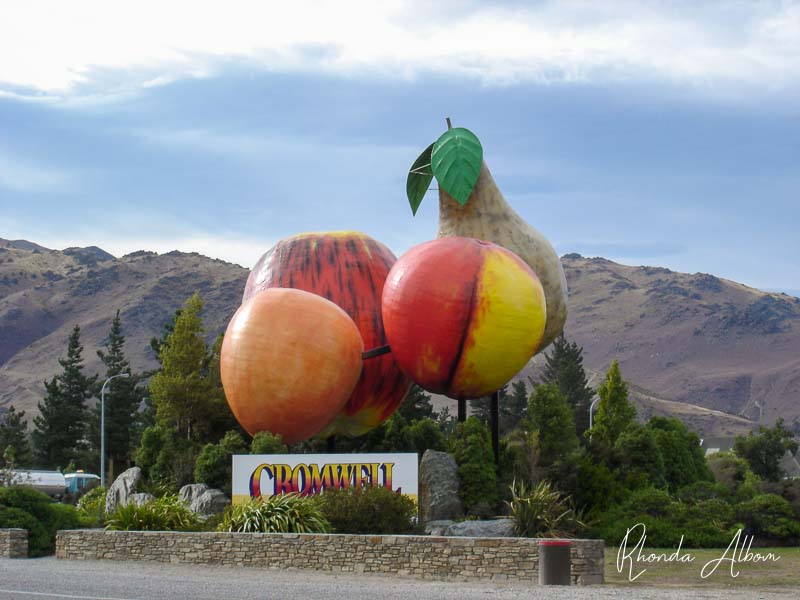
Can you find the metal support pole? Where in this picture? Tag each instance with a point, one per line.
(103, 434)
(103, 427)
(494, 423)
(462, 411)
(591, 411)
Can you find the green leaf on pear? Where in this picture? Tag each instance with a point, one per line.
(419, 179)
(456, 162)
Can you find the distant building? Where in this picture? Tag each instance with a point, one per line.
(712, 445)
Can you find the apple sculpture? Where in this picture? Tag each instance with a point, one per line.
(348, 268)
(289, 362)
(462, 316)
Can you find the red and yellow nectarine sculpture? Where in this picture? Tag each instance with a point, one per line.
(289, 362)
(462, 316)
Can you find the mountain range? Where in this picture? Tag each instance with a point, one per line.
(721, 356)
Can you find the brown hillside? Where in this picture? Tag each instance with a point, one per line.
(44, 293)
(696, 339)
(716, 353)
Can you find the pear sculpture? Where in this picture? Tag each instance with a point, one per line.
(471, 205)
(487, 216)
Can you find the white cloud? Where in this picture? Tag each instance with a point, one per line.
(57, 46)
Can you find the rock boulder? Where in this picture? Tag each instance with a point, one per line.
(121, 490)
(437, 527)
(438, 488)
(491, 528)
(203, 500)
(140, 499)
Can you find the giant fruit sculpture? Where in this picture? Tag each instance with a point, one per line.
(349, 268)
(289, 362)
(471, 205)
(462, 316)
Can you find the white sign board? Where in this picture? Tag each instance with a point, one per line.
(256, 475)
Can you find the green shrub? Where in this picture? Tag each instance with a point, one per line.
(168, 513)
(425, 434)
(24, 507)
(476, 470)
(684, 460)
(735, 474)
(643, 460)
(764, 450)
(543, 512)
(285, 513)
(786, 488)
(265, 442)
(375, 510)
(214, 463)
(233, 443)
(65, 516)
(707, 523)
(38, 535)
(597, 487)
(703, 490)
(771, 517)
(27, 499)
(92, 507)
(165, 457)
(212, 466)
(649, 506)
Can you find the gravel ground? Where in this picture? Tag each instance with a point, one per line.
(111, 580)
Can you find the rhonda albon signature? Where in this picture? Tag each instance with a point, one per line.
(738, 551)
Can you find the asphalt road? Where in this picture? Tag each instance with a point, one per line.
(46, 578)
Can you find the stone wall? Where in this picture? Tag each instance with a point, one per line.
(426, 557)
(13, 543)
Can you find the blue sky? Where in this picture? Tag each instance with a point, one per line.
(648, 133)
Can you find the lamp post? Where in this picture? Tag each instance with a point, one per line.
(591, 410)
(103, 427)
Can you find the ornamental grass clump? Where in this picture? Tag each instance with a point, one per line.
(543, 511)
(168, 513)
(284, 513)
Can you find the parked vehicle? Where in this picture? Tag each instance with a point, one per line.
(51, 483)
(79, 481)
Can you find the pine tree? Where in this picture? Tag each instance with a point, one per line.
(513, 407)
(219, 418)
(156, 343)
(481, 407)
(123, 397)
(614, 412)
(61, 427)
(551, 430)
(476, 469)
(564, 367)
(186, 392)
(417, 404)
(14, 434)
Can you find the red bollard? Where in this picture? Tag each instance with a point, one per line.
(554, 562)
